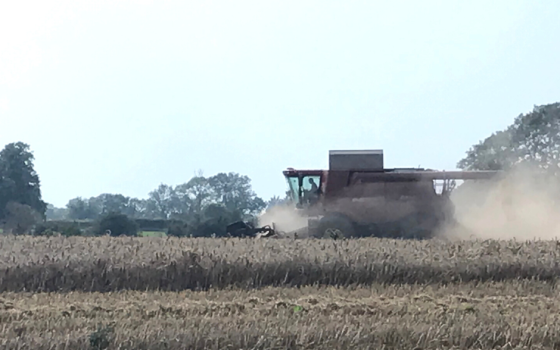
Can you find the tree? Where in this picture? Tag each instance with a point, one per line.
(7, 186)
(162, 202)
(194, 196)
(493, 153)
(54, 213)
(114, 203)
(94, 207)
(81, 209)
(201, 206)
(235, 193)
(21, 218)
(18, 180)
(533, 138)
(136, 208)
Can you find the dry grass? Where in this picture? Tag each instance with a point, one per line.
(168, 293)
(488, 316)
(172, 264)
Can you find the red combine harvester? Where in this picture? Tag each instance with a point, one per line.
(358, 197)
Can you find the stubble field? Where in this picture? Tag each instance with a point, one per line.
(170, 293)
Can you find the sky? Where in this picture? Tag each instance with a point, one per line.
(121, 96)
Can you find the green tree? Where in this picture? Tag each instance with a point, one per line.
(19, 182)
(201, 207)
(94, 207)
(114, 203)
(136, 208)
(532, 138)
(54, 213)
(81, 209)
(235, 193)
(161, 203)
(204, 206)
(193, 196)
(21, 218)
(6, 192)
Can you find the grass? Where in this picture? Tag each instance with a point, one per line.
(111, 264)
(479, 316)
(183, 293)
(152, 234)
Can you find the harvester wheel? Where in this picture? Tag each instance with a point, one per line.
(335, 228)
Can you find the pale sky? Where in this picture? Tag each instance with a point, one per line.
(120, 96)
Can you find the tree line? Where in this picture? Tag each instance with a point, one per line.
(201, 206)
(224, 194)
(205, 205)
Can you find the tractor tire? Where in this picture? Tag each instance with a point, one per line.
(334, 227)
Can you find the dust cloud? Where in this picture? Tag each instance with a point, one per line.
(286, 219)
(521, 205)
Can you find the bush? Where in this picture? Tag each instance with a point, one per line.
(178, 229)
(50, 228)
(151, 224)
(116, 224)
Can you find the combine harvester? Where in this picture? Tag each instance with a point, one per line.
(358, 197)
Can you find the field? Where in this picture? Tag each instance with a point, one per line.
(171, 293)
(152, 234)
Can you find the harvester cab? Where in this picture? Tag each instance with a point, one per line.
(357, 196)
(305, 187)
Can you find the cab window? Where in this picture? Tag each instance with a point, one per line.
(311, 188)
(311, 183)
(293, 185)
